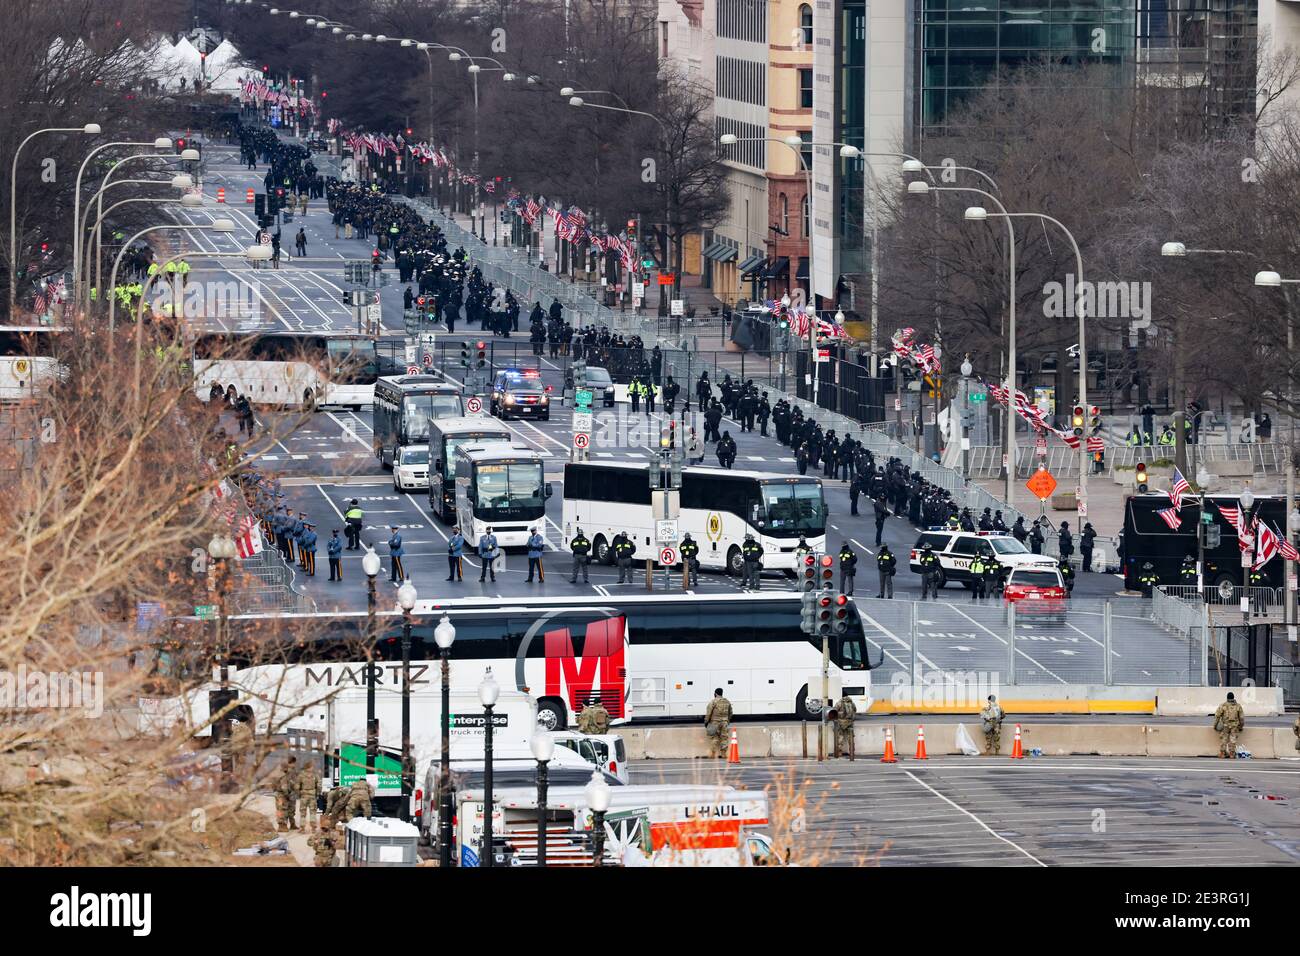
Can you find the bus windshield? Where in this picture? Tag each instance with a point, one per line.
(794, 507)
(505, 491)
(452, 442)
(419, 410)
(353, 361)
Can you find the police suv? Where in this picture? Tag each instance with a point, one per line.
(520, 392)
(956, 549)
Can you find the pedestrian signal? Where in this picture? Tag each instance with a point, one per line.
(1140, 476)
(1213, 537)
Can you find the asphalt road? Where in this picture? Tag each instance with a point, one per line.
(976, 811)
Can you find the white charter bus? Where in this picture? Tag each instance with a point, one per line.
(644, 657)
(405, 408)
(445, 436)
(290, 369)
(718, 507)
(503, 488)
(27, 360)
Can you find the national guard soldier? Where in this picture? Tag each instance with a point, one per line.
(848, 567)
(929, 562)
(286, 794)
(359, 800)
(690, 549)
(395, 555)
(334, 551)
(308, 793)
(354, 517)
(887, 564)
(751, 553)
(455, 555)
(1147, 579)
(624, 548)
(335, 802)
(536, 545)
(717, 722)
(241, 746)
(487, 553)
(1187, 572)
(581, 549)
(977, 577)
(991, 717)
(324, 842)
(594, 718)
(1229, 721)
(844, 714)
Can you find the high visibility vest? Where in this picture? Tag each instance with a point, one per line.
(171, 267)
(94, 293)
(153, 269)
(183, 268)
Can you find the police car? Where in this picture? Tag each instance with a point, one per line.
(1037, 592)
(956, 549)
(520, 392)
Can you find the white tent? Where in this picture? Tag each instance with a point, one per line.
(188, 63)
(224, 68)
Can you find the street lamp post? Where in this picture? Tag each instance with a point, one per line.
(542, 745)
(488, 692)
(966, 369)
(406, 598)
(1247, 501)
(370, 564)
(220, 226)
(90, 129)
(221, 549)
(444, 635)
(597, 793)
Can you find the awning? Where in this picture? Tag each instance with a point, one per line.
(715, 250)
(778, 267)
(802, 274)
(752, 265)
(727, 254)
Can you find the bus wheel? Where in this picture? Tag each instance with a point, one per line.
(601, 549)
(735, 563)
(805, 709)
(1221, 579)
(550, 715)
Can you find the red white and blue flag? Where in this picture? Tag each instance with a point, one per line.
(1170, 517)
(1266, 544)
(1179, 488)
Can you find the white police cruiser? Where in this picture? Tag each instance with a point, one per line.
(956, 549)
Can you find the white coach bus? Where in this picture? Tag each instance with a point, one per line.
(718, 507)
(27, 360)
(503, 488)
(290, 369)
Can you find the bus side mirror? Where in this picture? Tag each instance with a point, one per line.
(549, 490)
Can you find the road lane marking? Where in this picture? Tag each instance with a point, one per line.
(991, 832)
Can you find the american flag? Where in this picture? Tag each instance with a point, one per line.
(1266, 546)
(1287, 550)
(1170, 517)
(531, 210)
(1232, 516)
(1097, 443)
(490, 186)
(1069, 437)
(1179, 488)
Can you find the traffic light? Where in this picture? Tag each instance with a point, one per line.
(1140, 476)
(1076, 421)
(809, 573)
(579, 374)
(259, 205)
(827, 572)
(841, 614)
(808, 612)
(1213, 537)
(408, 131)
(824, 615)
(464, 354)
(482, 354)
(631, 231)
(180, 145)
(656, 473)
(1094, 420)
(667, 435)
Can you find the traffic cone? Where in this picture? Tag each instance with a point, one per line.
(1017, 753)
(920, 743)
(889, 747)
(733, 751)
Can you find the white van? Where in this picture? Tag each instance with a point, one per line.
(605, 751)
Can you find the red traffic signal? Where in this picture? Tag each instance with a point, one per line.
(1076, 420)
(408, 131)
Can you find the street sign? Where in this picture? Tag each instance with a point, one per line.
(412, 370)
(205, 612)
(638, 290)
(474, 405)
(667, 556)
(582, 398)
(428, 360)
(665, 532)
(1042, 484)
(1083, 508)
(583, 422)
(375, 312)
(677, 307)
(266, 239)
(666, 278)
(823, 355)
(1040, 446)
(898, 404)
(581, 440)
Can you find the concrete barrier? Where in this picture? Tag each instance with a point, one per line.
(1106, 740)
(1203, 701)
(1182, 740)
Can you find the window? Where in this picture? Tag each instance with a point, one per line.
(968, 546)
(806, 136)
(805, 89)
(806, 24)
(785, 214)
(806, 231)
(503, 488)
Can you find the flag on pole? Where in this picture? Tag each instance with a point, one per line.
(1231, 515)
(1170, 517)
(1287, 550)
(1266, 546)
(1179, 488)
(248, 541)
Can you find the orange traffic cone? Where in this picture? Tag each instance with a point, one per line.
(889, 747)
(920, 743)
(1017, 753)
(733, 751)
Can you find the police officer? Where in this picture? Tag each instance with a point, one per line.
(751, 553)
(991, 717)
(455, 555)
(296, 532)
(717, 722)
(395, 554)
(581, 549)
(354, 517)
(487, 553)
(1147, 578)
(624, 548)
(334, 550)
(594, 718)
(1229, 721)
(882, 513)
(309, 548)
(977, 577)
(1086, 539)
(929, 562)
(802, 549)
(887, 565)
(993, 571)
(690, 550)
(1187, 572)
(1067, 575)
(848, 567)
(536, 544)
(1036, 539)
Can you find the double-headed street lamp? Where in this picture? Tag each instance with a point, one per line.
(488, 692)
(444, 635)
(371, 565)
(90, 129)
(542, 745)
(406, 598)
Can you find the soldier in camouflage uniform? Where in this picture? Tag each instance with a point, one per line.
(324, 842)
(308, 792)
(594, 719)
(359, 800)
(717, 723)
(992, 717)
(240, 747)
(335, 801)
(1229, 720)
(286, 794)
(844, 714)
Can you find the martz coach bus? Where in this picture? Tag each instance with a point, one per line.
(27, 360)
(503, 488)
(1148, 537)
(445, 436)
(405, 406)
(290, 369)
(718, 507)
(643, 657)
